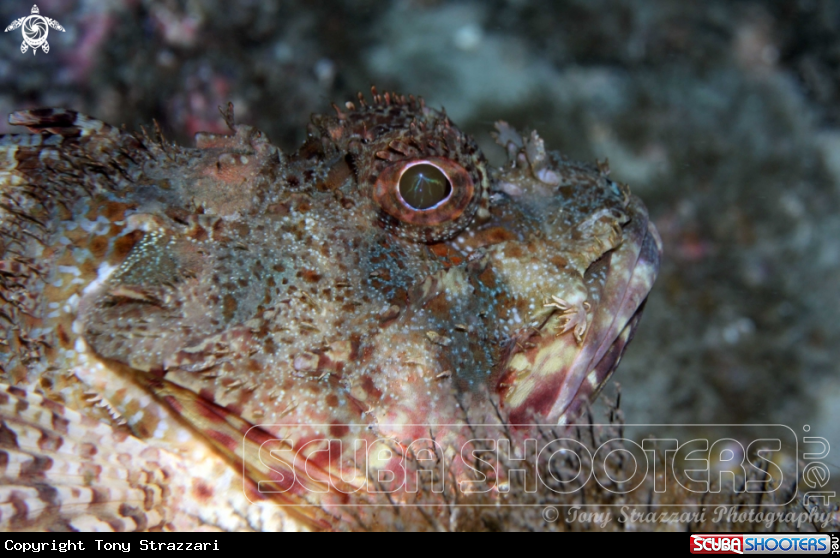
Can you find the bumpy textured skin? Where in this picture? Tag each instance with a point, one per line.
(206, 303)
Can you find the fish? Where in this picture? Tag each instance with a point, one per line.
(232, 336)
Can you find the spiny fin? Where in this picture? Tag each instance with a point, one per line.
(61, 122)
(62, 471)
(42, 177)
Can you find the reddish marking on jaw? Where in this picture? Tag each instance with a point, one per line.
(338, 430)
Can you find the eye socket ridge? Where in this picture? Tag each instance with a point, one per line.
(428, 191)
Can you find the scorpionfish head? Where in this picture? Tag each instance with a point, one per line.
(381, 284)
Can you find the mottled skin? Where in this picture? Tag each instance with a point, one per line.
(284, 298)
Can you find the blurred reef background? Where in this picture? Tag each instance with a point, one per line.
(723, 116)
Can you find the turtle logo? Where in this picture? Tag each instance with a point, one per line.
(35, 30)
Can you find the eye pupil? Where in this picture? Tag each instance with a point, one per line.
(424, 186)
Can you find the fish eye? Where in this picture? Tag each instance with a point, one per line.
(426, 199)
(424, 186)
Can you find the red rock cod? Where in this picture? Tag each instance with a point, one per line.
(237, 327)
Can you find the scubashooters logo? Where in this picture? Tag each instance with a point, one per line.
(810, 543)
(35, 30)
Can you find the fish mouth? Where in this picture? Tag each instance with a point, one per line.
(561, 370)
